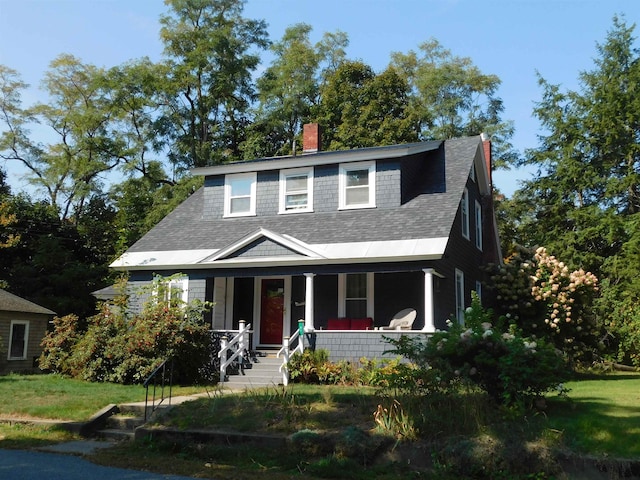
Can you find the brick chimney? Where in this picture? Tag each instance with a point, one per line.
(311, 138)
(486, 145)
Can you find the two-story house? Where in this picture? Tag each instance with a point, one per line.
(358, 234)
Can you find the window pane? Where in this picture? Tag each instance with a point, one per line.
(296, 201)
(241, 187)
(239, 205)
(356, 308)
(357, 285)
(17, 340)
(296, 183)
(357, 177)
(357, 195)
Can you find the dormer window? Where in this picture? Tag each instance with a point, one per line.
(296, 190)
(240, 195)
(357, 185)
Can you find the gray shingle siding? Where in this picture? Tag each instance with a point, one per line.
(325, 188)
(354, 345)
(197, 290)
(387, 184)
(428, 212)
(263, 248)
(267, 193)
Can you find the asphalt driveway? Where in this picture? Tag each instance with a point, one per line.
(31, 465)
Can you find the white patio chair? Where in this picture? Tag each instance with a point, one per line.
(403, 320)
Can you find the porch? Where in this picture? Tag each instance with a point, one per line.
(333, 306)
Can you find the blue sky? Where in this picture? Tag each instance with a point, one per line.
(509, 38)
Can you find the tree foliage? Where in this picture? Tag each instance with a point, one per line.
(116, 347)
(211, 57)
(118, 141)
(583, 202)
(289, 89)
(359, 109)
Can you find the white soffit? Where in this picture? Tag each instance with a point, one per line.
(161, 258)
(385, 249)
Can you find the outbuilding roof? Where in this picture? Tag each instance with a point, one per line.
(13, 303)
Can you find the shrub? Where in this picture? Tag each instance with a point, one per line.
(545, 299)
(58, 346)
(122, 349)
(509, 367)
(309, 366)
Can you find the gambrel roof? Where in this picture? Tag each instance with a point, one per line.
(418, 228)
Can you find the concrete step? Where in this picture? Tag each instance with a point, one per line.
(116, 434)
(124, 422)
(264, 371)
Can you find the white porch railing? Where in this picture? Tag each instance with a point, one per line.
(286, 351)
(239, 345)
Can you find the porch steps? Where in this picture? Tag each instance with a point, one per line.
(264, 372)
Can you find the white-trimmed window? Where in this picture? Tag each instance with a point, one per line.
(355, 295)
(478, 225)
(464, 212)
(460, 296)
(479, 290)
(240, 195)
(357, 185)
(18, 339)
(174, 291)
(296, 190)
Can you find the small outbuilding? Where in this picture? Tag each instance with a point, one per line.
(23, 325)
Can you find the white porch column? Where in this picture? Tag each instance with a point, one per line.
(308, 303)
(429, 322)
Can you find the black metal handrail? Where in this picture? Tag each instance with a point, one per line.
(162, 370)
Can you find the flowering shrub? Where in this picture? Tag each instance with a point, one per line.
(122, 349)
(496, 357)
(545, 299)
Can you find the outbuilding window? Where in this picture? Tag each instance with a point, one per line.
(18, 339)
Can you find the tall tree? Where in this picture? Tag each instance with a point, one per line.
(453, 98)
(71, 168)
(584, 202)
(135, 107)
(358, 108)
(211, 51)
(289, 89)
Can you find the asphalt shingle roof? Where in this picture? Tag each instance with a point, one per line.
(12, 303)
(427, 215)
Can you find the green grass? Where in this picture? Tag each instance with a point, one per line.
(460, 433)
(280, 410)
(602, 416)
(57, 397)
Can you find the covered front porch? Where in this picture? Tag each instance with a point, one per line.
(327, 303)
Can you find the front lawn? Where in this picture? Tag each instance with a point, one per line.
(57, 397)
(460, 436)
(602, 416)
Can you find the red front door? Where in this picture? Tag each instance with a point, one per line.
(271, 311)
